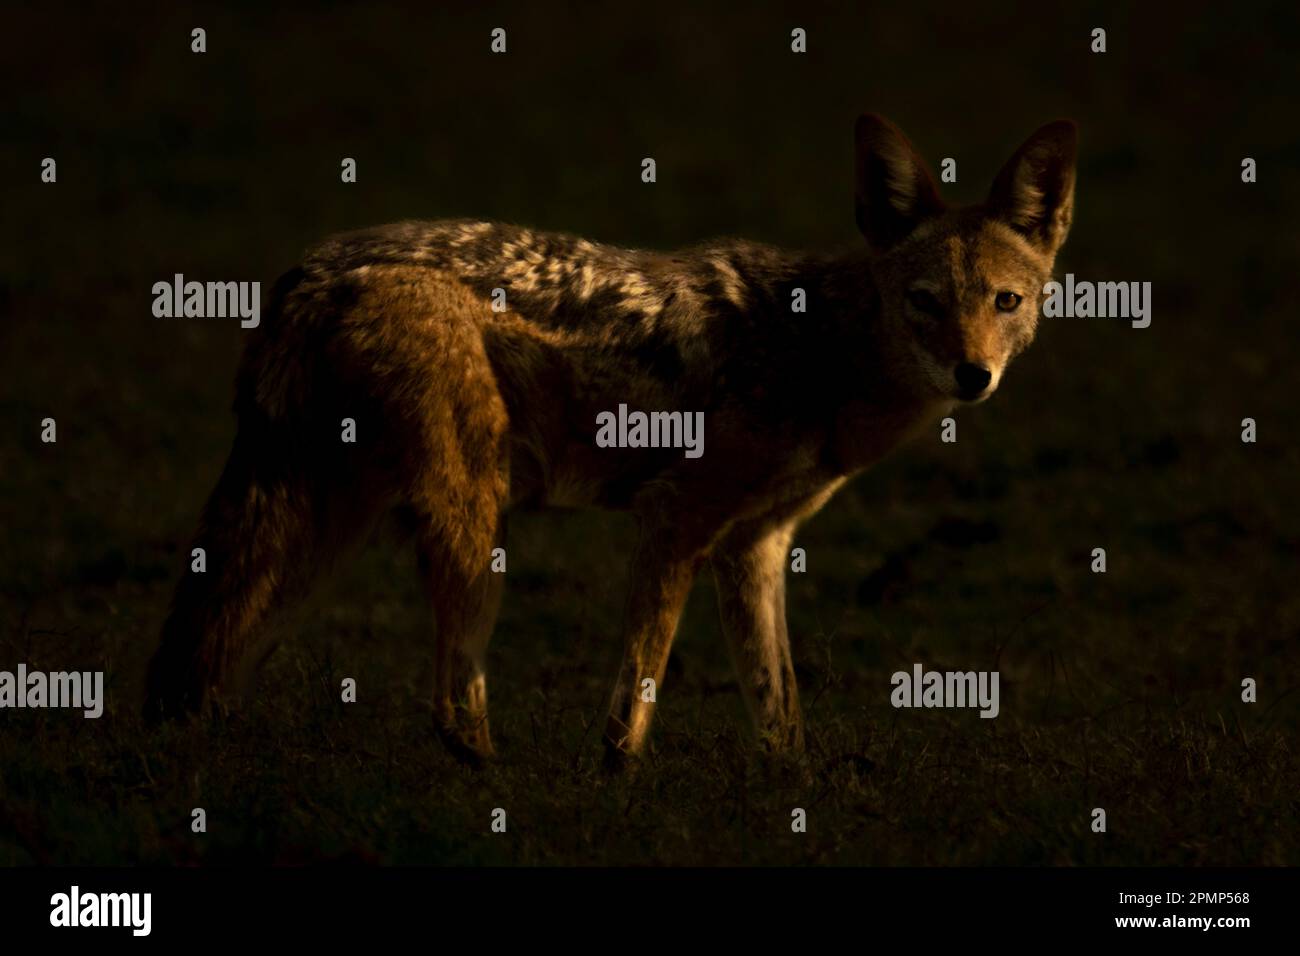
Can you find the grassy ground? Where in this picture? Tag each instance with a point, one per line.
(1119, 691)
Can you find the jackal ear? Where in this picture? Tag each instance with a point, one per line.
(1034, 192)
(894, 190)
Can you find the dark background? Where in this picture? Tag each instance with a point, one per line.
(1119, 691)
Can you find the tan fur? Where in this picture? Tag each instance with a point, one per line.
(464, 413)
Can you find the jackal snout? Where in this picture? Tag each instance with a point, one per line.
(987, 344)
(972, 381)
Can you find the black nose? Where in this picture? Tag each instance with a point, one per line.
(972, 379)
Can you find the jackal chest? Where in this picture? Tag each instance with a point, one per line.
(866, 432)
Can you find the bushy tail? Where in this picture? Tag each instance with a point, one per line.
(258, 538)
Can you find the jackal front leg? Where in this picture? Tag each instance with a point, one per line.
(663, 568)
(749, 568)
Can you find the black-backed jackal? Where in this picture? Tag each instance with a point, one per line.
(464, 411)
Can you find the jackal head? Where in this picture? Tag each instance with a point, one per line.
(961, 289)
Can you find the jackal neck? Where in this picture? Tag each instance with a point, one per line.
(817, 290)
(840, 356)
(832, 298)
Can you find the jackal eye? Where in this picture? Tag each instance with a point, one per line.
(926, 302)
(1007, 301)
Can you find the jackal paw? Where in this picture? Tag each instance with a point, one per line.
(471, 748)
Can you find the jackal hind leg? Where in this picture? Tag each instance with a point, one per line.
(466, 595)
